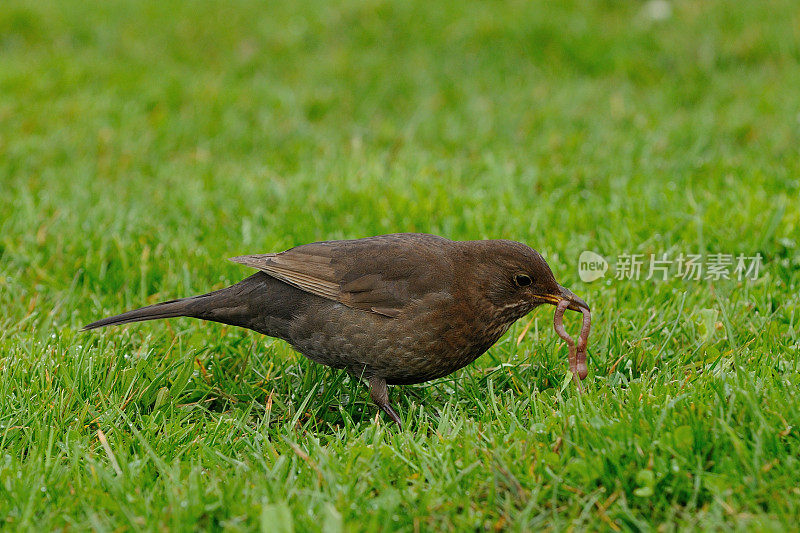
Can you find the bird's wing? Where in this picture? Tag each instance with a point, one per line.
(378, 274)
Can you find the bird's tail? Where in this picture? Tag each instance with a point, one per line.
(259, 302)
(173, 308)
(228, 305)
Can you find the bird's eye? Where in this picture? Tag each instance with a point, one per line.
(522, 280)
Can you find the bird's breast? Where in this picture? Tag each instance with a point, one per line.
(440, 339)
(431, 338)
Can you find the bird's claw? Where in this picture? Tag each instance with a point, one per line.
(379, 393)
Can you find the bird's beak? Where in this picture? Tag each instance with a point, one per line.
(575, 302)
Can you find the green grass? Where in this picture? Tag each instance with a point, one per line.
(142, 143)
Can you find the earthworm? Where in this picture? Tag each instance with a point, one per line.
(577, 354)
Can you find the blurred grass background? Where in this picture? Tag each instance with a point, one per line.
(141, 143)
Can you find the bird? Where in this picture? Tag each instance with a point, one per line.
(393, 309)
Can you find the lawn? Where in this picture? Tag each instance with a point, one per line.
(142, 143)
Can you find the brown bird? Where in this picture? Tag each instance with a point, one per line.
(392, 309)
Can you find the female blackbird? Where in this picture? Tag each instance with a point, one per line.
(397, 309)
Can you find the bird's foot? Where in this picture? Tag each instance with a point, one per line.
(379, 392)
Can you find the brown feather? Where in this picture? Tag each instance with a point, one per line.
(336, 271)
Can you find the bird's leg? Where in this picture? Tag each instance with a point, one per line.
(379, 393)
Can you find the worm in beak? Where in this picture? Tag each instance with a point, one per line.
(577, 353)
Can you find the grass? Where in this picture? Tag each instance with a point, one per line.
(141, 143)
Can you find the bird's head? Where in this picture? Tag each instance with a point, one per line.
(515, 277)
